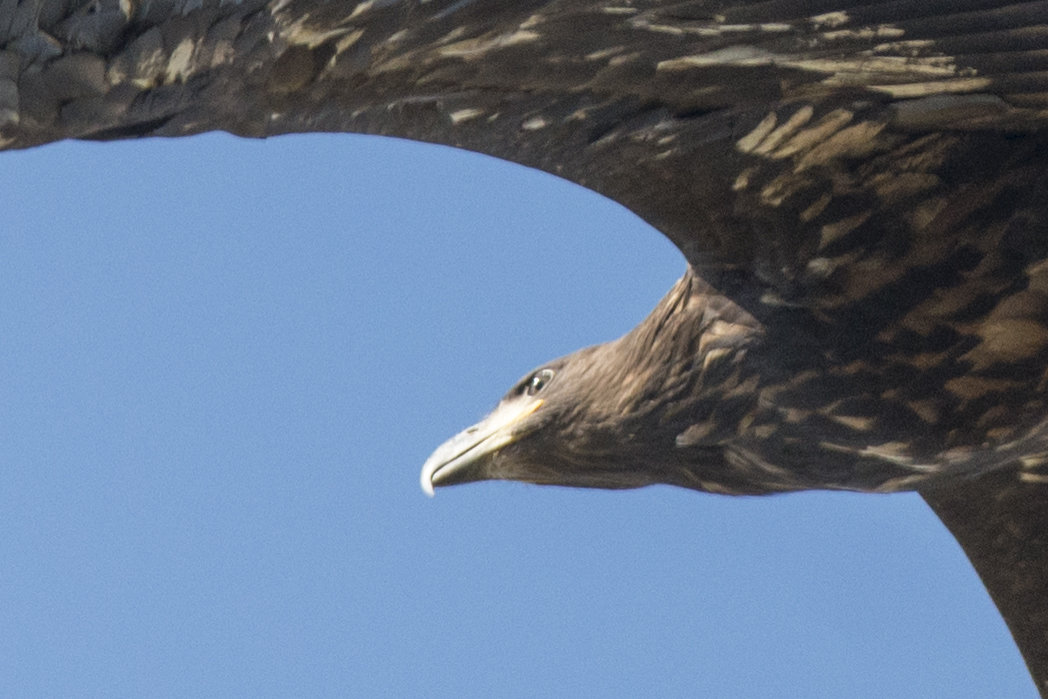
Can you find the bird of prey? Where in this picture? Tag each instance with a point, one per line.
(860, 188)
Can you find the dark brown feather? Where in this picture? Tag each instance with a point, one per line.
(865, 180)
(1001, 522)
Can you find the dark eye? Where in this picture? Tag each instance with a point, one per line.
(539, 381)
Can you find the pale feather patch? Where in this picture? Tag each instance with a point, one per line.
(695, 434)
(178, 64)
(820, 131)
(832, 232)
(720, 331)
(1007, 340)
(798, 119)
(534, 123)
(896, 453)
(854, 422)
(462, 115)
(751, 140)
(830, 20)
(476, 48)
(924, 89)
(856, 141)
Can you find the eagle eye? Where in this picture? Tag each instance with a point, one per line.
(538, 381)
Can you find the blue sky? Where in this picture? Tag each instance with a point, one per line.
(223, 363)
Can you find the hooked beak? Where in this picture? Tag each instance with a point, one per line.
(461, 459)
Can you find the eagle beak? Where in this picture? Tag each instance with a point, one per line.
(461, 458)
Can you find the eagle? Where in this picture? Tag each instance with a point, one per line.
(860, 190)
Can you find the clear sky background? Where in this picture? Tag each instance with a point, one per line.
(222, 364)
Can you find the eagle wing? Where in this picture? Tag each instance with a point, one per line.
(872, 173)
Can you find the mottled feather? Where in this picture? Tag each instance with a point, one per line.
(860, 189)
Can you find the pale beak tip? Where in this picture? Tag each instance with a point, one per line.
(427, 483)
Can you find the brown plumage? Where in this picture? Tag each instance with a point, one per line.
(859, 188)
(704, 396)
